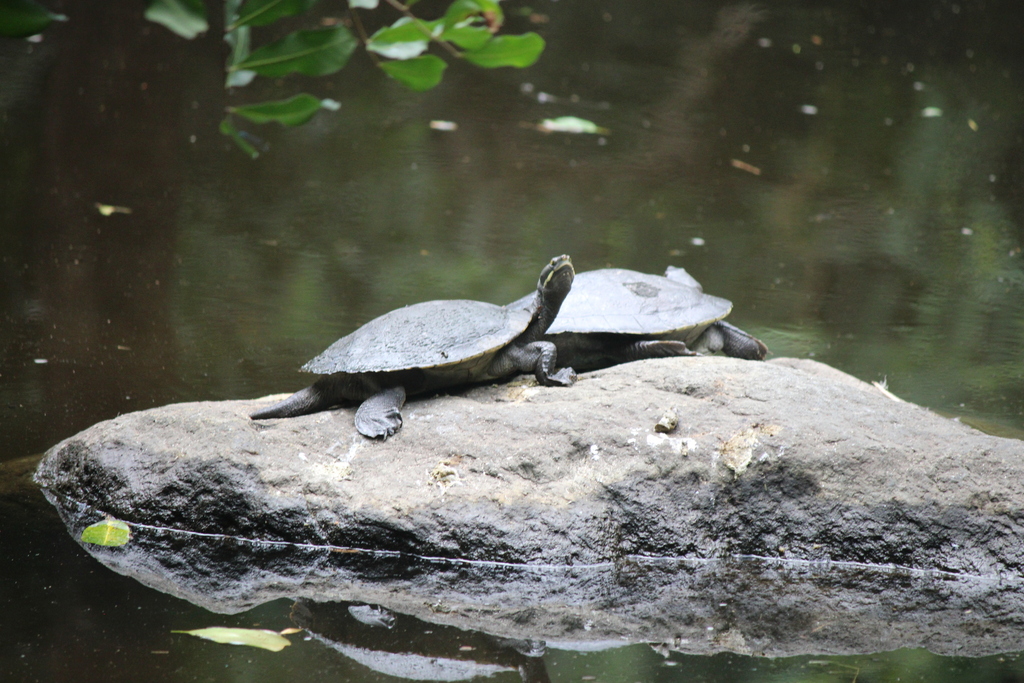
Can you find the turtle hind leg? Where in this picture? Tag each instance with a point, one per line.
(732, 341)
(302, 402)
(326, 392)
(654, 348)
(380, 416)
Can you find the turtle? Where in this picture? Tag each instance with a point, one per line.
(431, 346)
(613, 316)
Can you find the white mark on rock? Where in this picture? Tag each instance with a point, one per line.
(675, 444)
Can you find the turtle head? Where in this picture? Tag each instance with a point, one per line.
(556, 279)
(552, 288)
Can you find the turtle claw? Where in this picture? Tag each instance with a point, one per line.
(565, 377)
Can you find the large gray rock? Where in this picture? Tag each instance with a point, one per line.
(794, 509)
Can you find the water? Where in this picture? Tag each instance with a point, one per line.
(877, 236)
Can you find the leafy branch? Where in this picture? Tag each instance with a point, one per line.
(467, 30)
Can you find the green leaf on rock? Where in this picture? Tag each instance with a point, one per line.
(263, 12)
(290, 112)
(110, 532)
(187, 18)
(24, 18)
(313, 53)
(518, 51)
(268, 640)
(421, 73)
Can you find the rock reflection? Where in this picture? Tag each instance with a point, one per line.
(393, 610)
(405, 646)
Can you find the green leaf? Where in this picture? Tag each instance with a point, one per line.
(460, 10)
(227, 127)
(421, 73)
(467, 37)
(518, 51)
(363, 4)
(238, 39)
(313, 53)
(406, 50)
(111, 532)
(406, 30)
(187, 18)
(405, 39)
(268, 640)
(263, 12)
(23, 18)
(290, 112)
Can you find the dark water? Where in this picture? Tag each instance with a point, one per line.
(881, 234)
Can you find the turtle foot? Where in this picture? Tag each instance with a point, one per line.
(380, 416)
(379, 426)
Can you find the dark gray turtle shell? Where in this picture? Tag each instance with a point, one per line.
(614, 300)
(431, 334)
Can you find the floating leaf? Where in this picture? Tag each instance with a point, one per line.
(187, 18)
(110, 532)
(110, 210)
(313, 53)
(570, 124)
(23, 18)
(931, 112)
(291, 112)
(268, 640)
(263, 12)
(421, 73)
(518, 51)
(363, 4)
(228, 128)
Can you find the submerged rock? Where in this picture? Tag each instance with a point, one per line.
(868, 509)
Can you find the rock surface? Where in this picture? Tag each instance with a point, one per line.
(805, 473)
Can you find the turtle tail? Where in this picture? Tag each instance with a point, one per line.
(303, 402)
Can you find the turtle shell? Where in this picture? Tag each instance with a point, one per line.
(621, 301)
(426, 335)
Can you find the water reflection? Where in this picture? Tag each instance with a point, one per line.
(403, 646)
(748, 605)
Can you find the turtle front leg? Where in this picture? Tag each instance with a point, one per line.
(538, 357)
(544, 355)
(380, 416)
